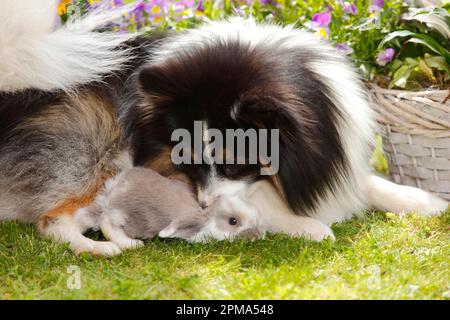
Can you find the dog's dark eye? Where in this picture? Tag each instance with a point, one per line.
(232, 221)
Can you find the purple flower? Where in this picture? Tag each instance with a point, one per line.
(350, 8)
(319, 23)
(138, 11)
(321, 19)
(239, 11)
(200, 6)
(376, 5)
(343, 48)
(385, 56)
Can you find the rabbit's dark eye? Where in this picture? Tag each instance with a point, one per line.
(233, 221)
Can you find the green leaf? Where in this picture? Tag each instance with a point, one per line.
(436, 18)
(418, 38)
(411, 61)
(401, 76)
(378, 160)
(433, 45)
(396, 64)
(423, 67)
(393, 35)
(436, 62)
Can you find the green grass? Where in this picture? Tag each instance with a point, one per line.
(384, 256)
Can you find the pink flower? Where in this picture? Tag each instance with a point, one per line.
(385, 56)
(189, 3)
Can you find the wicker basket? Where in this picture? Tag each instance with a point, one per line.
(416, 133)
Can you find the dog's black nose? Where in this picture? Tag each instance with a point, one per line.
(203, 204)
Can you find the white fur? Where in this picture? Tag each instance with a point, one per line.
(35, 54)
(69, 229)
(233, 205)
(218, 187)
(262, 209)
(386, 195)
(276, 217)
(356, 132)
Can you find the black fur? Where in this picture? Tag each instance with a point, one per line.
(16, 107)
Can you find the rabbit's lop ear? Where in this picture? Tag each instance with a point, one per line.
(182, 228)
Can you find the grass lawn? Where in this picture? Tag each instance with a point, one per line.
(382, 257)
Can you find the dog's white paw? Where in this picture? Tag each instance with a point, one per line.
(319, 233)
(98, 248)
(106, 248)
(129, 244)
(314, 230)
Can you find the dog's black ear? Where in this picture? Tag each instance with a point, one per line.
(293, 178)
(157, 82)
(310, 152)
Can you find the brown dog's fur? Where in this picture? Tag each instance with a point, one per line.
(57, 158)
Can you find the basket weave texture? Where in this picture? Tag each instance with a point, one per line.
(415, 127)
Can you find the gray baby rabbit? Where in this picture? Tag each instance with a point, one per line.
(141, 204)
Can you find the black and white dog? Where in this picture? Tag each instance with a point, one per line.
(75, 103)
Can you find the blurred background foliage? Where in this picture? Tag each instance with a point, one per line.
(394, 43)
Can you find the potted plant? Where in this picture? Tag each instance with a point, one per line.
(412, 100)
